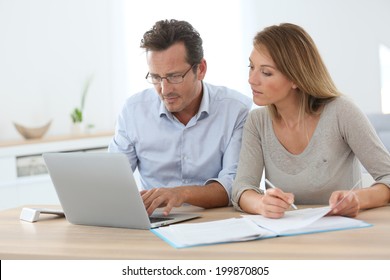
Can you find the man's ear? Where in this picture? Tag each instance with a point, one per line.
(202, 69)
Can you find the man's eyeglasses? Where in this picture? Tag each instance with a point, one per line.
(172, 79)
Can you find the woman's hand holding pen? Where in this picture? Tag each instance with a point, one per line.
(272, 204)
(275, 203)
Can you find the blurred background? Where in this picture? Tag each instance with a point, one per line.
(50, 48)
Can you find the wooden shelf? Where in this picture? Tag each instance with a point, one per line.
(56, 138)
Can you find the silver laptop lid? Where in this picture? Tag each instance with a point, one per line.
(97, 189)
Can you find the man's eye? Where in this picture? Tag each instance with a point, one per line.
(174, 78)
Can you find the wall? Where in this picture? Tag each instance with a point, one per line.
(50, 47)
(348, 34)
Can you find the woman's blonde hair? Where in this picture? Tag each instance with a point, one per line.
(296, 56)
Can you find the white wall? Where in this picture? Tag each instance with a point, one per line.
(347, 33)
(50, 47)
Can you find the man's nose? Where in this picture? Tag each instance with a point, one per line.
(165, 86)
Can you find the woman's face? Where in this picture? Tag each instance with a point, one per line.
(268, 84)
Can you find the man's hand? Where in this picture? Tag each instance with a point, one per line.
(206, 196)
(163, 197)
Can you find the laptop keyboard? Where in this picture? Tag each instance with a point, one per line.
(159, 219)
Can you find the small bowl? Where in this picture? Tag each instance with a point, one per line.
(32, 132)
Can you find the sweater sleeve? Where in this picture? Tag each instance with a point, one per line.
(251, 161)
(360, 135)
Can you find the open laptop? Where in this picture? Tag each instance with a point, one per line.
(99, 189)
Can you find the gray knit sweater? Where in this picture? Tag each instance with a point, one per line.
(330, 162)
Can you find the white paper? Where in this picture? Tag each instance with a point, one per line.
(252, 227)
(228, 230)
(306, 221)
(328, 223)
(294, 219)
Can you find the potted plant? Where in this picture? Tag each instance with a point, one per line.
(77, 113)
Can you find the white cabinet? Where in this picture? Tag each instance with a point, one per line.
(23, 174)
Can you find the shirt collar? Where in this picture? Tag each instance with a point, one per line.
(203, 108)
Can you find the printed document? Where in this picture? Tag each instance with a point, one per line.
(251, 227)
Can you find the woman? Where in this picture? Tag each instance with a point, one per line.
(309, 138)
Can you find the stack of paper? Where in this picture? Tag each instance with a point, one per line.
(251, 227)
(304, 221)
(229, 230)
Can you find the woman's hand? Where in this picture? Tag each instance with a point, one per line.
(344, 203)
(273, 204)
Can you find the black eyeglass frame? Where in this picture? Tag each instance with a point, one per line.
(168, 78)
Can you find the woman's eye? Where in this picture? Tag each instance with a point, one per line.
(266, 73)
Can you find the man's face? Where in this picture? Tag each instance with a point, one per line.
(184, 97)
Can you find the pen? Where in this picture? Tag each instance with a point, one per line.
(272, 186)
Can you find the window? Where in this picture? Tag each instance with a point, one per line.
(384, 56)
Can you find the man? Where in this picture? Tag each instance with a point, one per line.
(184, 135)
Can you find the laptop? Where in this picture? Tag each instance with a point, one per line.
(99, 189)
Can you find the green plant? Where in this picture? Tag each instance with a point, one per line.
(77, 113)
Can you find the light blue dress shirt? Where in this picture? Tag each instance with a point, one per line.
(168, 153)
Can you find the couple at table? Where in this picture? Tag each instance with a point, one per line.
(200, 144)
